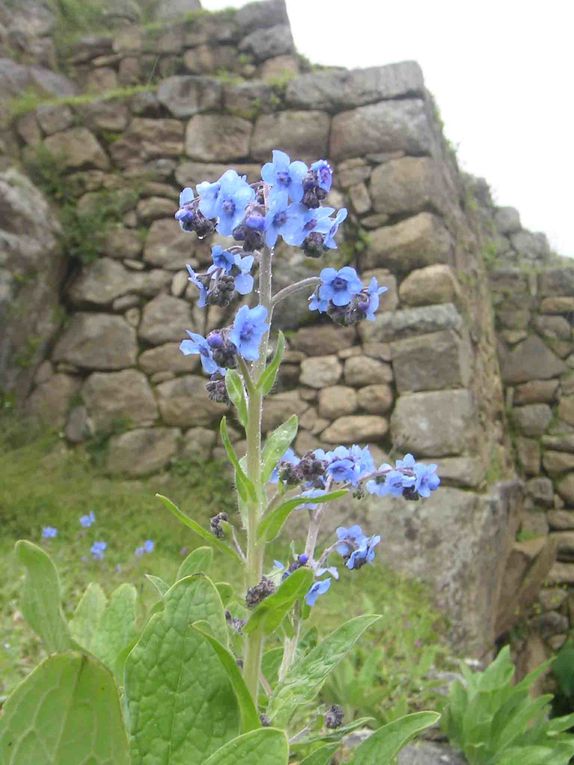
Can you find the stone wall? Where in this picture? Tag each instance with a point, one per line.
(423, 377)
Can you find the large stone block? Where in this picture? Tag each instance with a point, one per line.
(365, 370)
(566, 409)
(388, 126)
(409, 185)
(217, 137)
(558, 462)
(431, 362)
(566, 489)
(337, 401)
(303, 135)
(433, 284)
(413, 243)
(323, 340)
(97, 341)
(167, 246)
(536, 392)
(184, 402)
(375, 399)
(51, 400)
(555, 282)
(335, 90)
(359, 428)
(119, 397)
(321, 371)
(435, 424)
(167, 358)
(410, 322)
(185, 96)
(462, 472)
(164, 319)
(268, 43)
(104, 280)
(280, 407)
(532, 419)
(147, 138)
(77, 149)
(528, 453)
(530, 360)
(142, 451)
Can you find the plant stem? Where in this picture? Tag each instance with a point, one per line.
(293, 289)
(255, 552)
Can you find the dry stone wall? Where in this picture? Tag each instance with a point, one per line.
(208, 92)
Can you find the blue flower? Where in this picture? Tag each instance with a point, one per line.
(289, 458)
(316, 589)
(427, 480)
(323, 174)
(49, 532)
(223, 259)
(203, 291)
(317, 304)
(98, 549)
(349, 539)
(146, 548)
(248, 329)
(299, 226)
(365, 553)
(208, 194)
(244, 281)
(197, 344)
(232, 200)
(284, 177)
(87, 520)
(340, 286)
(342, 470)
(281, 218)
(185, 215)
(330, 234)
(368, 300)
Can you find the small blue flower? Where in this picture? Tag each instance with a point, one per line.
(427, 480)
(185, 215)
(368, 300)
(281, 218)
(49, 532)
(87, 520)
(223, 259)
(365, 553)
(232, 200)
(316, 589)
(305, 222)
(328, 570)
(243, 282)
(342, 470)
(289, 458)
(203, 291)
(98, 549)
(284, 177)
(248, 328)
(197, 344)
(340, 286)
(349, 539)
(323, 174)
(147, 547)
(208, 194)
(331, 233)
(317, 304)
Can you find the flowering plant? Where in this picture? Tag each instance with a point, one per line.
(198, 684)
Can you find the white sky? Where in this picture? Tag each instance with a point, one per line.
(502, 74)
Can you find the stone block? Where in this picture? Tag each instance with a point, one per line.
(77, 149)
(217, 137)
(186, 95)
(359, 428)
(409, 185)
(426, 286)
(336, 90)
(558, 462)
(167, 358)
(566, 409)
(557, 282)
(50, 401)
(532, 419)
(507, 220)
(401, 125)
(184, 402)
(365, 370)
(462, 472)
(323, 340)
(337, 401)
(398, 325)
(303, 135)
(557, 305)
(561, 519)
(142, 451)
(53, 118)
(375, 399)
(97, 341)
(563, 442)
(321, 371)
(431, 362)
(540, 490)
(280, 407)
(268, 43)
(528, 453)
(530, 360)
(437, 424)
(165, 319)
(198, 444)
(416, 242)
(536, 392)
(114, 397)
(565, 489)
(167, 246)
(147, 138)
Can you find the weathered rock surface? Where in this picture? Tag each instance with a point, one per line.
(410, 322)
(97, 341)
(104, 280)
(530, 360)
(167, 358)
(433, 284)
(142, 451)
(301, 134)
(185, 96)
(431, 362)
(184, 402)
(323, 340)
(119, 397)
(50, 401)
(532, 419)
(336, 401)
(360, 428)
(165, 319)
(217, 138)
(363, 370)
(77, 149)
(321, 371)
(412, 243)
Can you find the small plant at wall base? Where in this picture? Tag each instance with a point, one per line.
(215, 676)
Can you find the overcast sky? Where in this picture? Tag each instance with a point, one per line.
(501, 71)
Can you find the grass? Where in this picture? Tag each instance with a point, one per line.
(46, 484)
(31, 99)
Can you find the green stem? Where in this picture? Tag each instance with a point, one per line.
(255, 552)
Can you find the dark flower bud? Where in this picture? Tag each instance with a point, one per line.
(299, 562)
(289, 474)
(223, 351)
(334, 717)
(313, 245)
(215, 525)
(216, 389)
(259, 592)
(264, 720)
(311, 468)
(234, 623)
(411, 494)
(202, 226)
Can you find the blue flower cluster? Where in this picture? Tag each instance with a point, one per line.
(88, 520)
(145, 549)
(228, 276)
(356, 548)
(286, 202)
(343, 297)
(408, 479)
(98, 549)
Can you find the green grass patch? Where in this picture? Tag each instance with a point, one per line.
(31, 99)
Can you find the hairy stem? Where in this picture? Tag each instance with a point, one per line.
(293, 289)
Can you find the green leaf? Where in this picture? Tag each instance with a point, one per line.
(225, 591)
(269, 614)
(199, 530)
(387, 742)
(161, 586)
(276, 444)
(322, 756)
(307, 675)
(244, 484)
(273, 522)
(267, 379)
(236, 392)
(334, 735)
(84, 623)
(117, 627)
(266, 746)
(66, 712)
(181, 707)
(40, 599)
(249, 715)
(197, 562)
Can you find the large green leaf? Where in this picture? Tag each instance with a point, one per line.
(40, 599)
(117, 627)
(273, 522)
(197, 562)
(199, 530)
(307, 675)
(266, 746)
(322, 756)
(236, 393)
(180, 702)
(267, 379)
(84, 623)
(270, 612)
(160, 585)
(554, 754)
(67, 712)
(276, 444)
(387, 742)
(249, 716)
